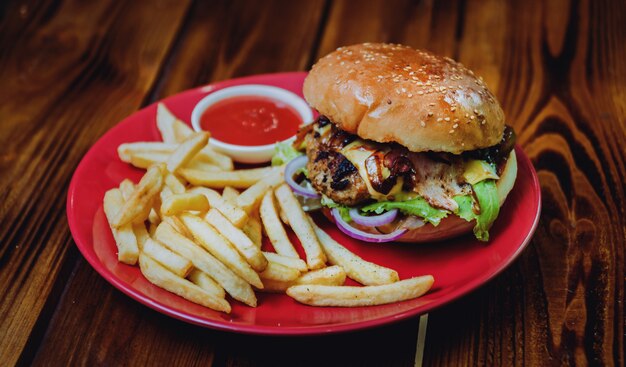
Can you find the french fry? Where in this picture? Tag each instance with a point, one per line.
(234, 285)
(315, 257)
(181, 131)
(127, 150)
(364, 272)
(275, 271)
(164, 195)
(204, 281)
(187, 150)
(140, 202)
(288, 261)
(127, 248)
(238, 238)
(235, 215)
(283, 216)
(145, 160)
(230, 194)
(253, 229)
(209, 155)
(174, 183)
(177, 225)
(219, 247)
(332, 275)
(170, 260)
(251, 197)
(177, 203)
(163, 278)
(141, 233)
(198, 165)
(172, 129)
(354, 296)
(127, 187)
(240, 179)
(274, 228)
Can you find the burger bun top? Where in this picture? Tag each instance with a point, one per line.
(393, 93)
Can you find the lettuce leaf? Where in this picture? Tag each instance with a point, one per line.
(344, 211)
(487, 195)
(283, 153)
(418, 207)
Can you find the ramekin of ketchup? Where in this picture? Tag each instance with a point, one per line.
(246, 121)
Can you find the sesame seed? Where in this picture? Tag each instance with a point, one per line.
(476, 112)
(447, 119)
(422, 123)
(451, 131)
(455, 126)
(472, 117)
(439, 119)
(430, 114)
(410, 95)
(420, 93)
(453, 109)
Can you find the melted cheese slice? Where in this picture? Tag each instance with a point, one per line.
(476, 171)
(357, 152)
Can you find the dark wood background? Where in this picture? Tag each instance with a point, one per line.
(70, 70)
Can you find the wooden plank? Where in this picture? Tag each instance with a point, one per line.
(96, 325)
(69, 71)
(226, 39)
(428, 25)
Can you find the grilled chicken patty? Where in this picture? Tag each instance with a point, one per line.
(332, 174)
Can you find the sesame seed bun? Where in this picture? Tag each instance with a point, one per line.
(393, 93)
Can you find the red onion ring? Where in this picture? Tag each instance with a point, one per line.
(362, 235)
(290, 170)
(374, 220)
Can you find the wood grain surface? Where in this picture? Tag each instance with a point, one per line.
(70, 70)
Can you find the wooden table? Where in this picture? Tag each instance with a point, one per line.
(70, 70)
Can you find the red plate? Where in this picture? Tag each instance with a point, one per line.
(458, 265)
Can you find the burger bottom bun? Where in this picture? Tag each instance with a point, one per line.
(453, 226)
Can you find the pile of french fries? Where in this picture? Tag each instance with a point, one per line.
(200, 244)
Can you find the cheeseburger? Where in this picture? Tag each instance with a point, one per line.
(408, 146)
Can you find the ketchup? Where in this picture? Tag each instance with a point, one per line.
(250, 120)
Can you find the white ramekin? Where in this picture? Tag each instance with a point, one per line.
(246, 153)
